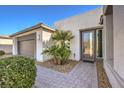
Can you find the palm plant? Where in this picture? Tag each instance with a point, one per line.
(51, 51)
(62, 38)
(63, 55)
(60, 49)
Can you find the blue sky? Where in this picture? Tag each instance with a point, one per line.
(17, 18)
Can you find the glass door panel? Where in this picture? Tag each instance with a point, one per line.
(88, 45)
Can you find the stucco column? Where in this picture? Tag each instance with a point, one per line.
(14, 48)
(39, 46)
(108, 39)
(104, 39)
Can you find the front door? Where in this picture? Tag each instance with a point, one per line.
(88, 45)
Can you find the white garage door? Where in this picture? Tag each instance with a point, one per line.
(27, 46)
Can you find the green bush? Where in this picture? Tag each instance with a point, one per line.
(2, 52)
(60, 48)
(17, 72)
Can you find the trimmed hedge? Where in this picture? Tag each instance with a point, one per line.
(17, 72)
(2, 52)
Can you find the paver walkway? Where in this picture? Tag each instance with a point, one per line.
(84, 75)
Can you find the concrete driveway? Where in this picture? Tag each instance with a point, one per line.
(84, 75)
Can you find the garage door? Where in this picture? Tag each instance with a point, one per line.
(27, 46)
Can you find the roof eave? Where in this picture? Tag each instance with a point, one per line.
(33, 28)
(5, 37)
(27, 30)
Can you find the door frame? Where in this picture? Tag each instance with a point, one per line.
(94, 46)
(87, 30)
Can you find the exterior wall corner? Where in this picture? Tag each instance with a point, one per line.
(15, 46)
(39, 46)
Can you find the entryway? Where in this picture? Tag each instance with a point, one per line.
(91, 44)
(84, 75)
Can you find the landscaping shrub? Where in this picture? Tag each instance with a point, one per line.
(2, 52)
(17, 72)
(60, 49)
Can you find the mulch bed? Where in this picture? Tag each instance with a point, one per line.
(103, 81)
(65, 68)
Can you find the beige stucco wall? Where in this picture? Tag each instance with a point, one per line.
(6, 45)
(84, 20)
(113, 48)
(118, 26)
(39, 46)
(6, 48)
(46, 39)
(108, 39)
(6, 41)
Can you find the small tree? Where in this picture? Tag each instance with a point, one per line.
(60, 49)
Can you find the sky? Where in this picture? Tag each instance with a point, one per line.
(17, 18)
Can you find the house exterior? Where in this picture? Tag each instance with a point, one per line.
(88, 21)
(98, 35)
(31, 41)
(113, 35)
(103, 27)
(6, 44)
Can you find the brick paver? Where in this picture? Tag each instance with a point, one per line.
(84, 75)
